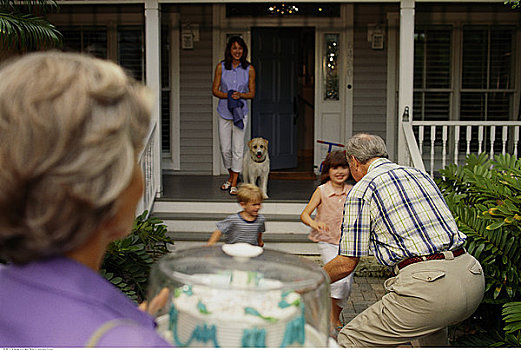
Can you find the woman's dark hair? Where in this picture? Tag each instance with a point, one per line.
(228, 54)
(334, 159)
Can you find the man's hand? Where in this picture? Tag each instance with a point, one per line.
(340, 267)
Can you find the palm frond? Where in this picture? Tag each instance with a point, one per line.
(27, 31)
(35, 7)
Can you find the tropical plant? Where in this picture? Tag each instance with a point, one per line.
(128, 261)
(484, 196)
(23, 25)
(515, 3)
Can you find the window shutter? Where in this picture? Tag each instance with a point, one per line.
(432, 73)
(131, 51)
(487, 73)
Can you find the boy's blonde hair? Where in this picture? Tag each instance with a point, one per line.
(249, 193)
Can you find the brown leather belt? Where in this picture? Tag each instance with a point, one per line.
(437, 256)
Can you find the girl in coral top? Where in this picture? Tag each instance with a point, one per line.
(328, 199)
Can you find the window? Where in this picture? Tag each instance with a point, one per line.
(432, 74)
(86, 39)
(330, 66)
(487, 73)
(131, 52)
(166, 90)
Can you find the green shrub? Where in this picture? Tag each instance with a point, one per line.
(127, 261)
(484, 196)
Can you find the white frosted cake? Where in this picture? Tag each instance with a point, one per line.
(242, 314)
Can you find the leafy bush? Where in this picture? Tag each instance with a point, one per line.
(484, 196)
(127, 261)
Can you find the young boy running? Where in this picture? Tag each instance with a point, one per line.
(245, 226)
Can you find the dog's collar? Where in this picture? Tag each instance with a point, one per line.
(259, 161)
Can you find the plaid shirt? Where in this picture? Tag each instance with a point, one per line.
(396, 212)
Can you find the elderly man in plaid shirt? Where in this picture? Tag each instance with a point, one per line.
(398, 214)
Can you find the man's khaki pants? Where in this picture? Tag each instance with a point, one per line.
(422, 300)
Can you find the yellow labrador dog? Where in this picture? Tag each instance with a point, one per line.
(256, 164)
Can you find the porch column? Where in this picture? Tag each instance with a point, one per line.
(153, 81)
(406, 78)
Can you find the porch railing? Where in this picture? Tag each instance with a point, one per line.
(149, 168)
(434, 144)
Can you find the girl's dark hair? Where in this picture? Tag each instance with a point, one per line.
(228, 55)
(334, 159)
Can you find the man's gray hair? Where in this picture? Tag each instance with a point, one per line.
(365, 147)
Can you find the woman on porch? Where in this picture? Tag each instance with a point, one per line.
(233, 83)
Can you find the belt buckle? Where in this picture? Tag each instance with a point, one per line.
(448, 254)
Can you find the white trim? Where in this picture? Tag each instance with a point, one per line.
(392, 70)
(406, 72)
(175, 93)
(349, 44)
(216, 42)
(153, 74)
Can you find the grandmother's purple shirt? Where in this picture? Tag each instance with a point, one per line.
(59, 302)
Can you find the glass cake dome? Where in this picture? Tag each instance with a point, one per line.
(238, 295)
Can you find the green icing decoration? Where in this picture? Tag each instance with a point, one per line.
(251, 311)
(252, 277)
(202, 308)
(177, 292)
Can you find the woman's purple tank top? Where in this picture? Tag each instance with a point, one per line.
(235, 79)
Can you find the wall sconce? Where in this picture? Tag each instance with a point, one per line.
(375, 35)
(189, 35)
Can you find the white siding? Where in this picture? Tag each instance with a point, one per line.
(196, 93)
(370, 72)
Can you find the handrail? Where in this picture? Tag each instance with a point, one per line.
(412, 146)
(146, 161)
(448, 141)
(464, 123)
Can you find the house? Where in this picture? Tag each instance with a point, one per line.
(436, 79)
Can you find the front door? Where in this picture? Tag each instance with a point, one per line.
(274, 108)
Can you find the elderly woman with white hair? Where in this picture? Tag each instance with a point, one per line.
(71, 128)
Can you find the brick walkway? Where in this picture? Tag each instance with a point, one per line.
(365, 291)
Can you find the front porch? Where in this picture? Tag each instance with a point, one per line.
(200, 188)
(190, 205)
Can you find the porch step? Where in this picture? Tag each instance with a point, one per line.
(190, 223)
(225, 207)
(205, 222)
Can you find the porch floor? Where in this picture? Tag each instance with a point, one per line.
(206, 188)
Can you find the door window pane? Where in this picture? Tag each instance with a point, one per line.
(330, 64)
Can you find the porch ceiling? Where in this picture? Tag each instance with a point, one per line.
(122, 2)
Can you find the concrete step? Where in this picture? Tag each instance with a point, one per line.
(309, 249)
(267, 237)
(196, 225)
(190, 223)
(268, 208)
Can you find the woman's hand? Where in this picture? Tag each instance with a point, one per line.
(158, 302)
(236, 95)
